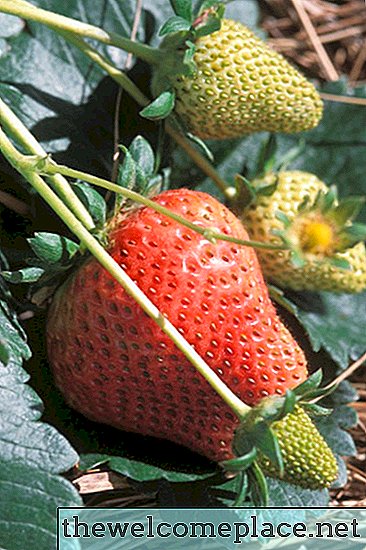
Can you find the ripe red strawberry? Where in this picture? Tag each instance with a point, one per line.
(116, 366)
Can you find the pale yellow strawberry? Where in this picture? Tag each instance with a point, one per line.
(314, 232)
(241, 86)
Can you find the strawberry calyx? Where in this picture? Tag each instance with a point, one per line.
(320, 230)
(324, 228)
(180, 33)
(269, 440)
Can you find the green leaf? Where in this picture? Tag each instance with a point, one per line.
(175, 24)
(140, 471)
(29, 498)
(337, 438)
(143, 155)
(93, 200)
(160, 108)
(182, 8)
(286, 494)
(16, 396)
(126, 172)
(68, 105)
(52, 248)
(12, 336)
(34, 443)
(336, 323)
(10, 25)
(25, 275)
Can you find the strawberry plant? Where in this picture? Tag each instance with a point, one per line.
(139, 331)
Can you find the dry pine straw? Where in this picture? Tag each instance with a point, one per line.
(325, 39)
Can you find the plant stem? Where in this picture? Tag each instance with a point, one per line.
(46, 166)
(22, 135)
(23, 166)
(126, 83)
(30, 12)
(118, 76)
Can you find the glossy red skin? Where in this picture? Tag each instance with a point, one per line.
(116, 366)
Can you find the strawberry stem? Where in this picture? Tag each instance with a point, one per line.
(46, 166)
(28, 11)
(22, 135)
(26, 168)
(126, 83)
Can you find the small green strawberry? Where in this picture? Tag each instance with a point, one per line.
(307, 459)
(116, 366)
(236, 84)
(327, 252)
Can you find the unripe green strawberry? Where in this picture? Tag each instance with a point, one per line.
(308, 461)
(240, 86)
(319, 228)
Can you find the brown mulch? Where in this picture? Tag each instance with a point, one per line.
(326, 39)
(354, 492)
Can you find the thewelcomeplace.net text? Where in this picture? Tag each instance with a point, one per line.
(238, 531)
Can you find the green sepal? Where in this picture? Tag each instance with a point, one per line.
(279, 297)
(353, 234)
(310, 384)
(340, 263)
(297, 259)
(267, 156)
(241, 463)
(242, 488)
(189, 64)
(143, 155)
(25, 275)
(175, 24)
(219, 7)
(182, 8)
(316, 410)
(289, 157)
(267, 442)
(202, 145)
(137, 171)
(51, 248)
(245, 193)
(283, 218)
(212, 24)
(320, 392)
(303, 205)
(126, 176)
(327, 201)
(347, 210)
(93, 201)
(161, 107)
(260, 487)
